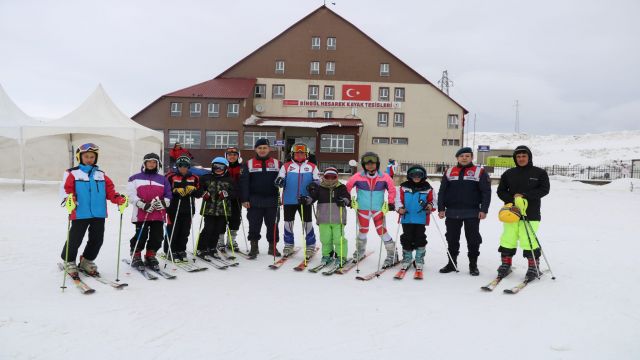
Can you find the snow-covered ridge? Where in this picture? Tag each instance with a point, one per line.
(588, 149)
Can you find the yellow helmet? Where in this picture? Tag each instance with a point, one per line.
(509, 213)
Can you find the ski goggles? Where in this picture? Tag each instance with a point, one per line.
(416, 173)
(369, 159)
(88, 147)
(232, 151)
(221, 167)
(330, 176)
(299, 149)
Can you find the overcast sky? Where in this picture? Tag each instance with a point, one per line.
(572, 64)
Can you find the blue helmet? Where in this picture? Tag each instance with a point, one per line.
(220, 160)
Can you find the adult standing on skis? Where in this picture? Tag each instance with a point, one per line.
(260, 196)
(294, 177)
(85, 189)
(524, 185)
(464, 197)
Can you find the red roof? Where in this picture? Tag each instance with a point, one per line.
(228, 88)
(319, 121)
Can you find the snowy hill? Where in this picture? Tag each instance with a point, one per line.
(252, 312)
(588, 149)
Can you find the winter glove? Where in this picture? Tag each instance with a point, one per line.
(304, 200)
(70, 203)
(122, 201)
(189, 189)
(425, 205)
(522, 204)
(148, 207)
(206, 196)
(391, 207)
(223, 194)
(159, 204)
(279, 182)
(354, 203)
(342, 202)
(180, 191)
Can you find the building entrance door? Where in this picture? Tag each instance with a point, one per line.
(310, 141)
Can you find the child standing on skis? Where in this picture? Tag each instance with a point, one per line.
(416, 198)
(219, 191)
(232, 154)
(150, 192)
(371, 185)
(295, 176)
(85, 189)
(185, 188)
(332, 198)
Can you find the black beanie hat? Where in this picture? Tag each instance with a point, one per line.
(261, 141)
(464, 150)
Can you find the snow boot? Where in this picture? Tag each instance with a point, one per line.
(150, 260)
(420, 253)
(450, 267)
(136, 260)
(505, 268)
(71, 268)
(361, 247)
(473, 266)
(88, 266)
(271, 250)
(534, 269)
(407, 259)
(288, 249)
(253, 252)
(392, 255)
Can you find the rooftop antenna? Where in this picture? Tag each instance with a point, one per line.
(445, 82)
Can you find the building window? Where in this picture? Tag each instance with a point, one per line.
(398, 119)
(250, 137)
(314, 68)
(399, 141)
(337, 143)
(195, 109)
(315, 43)
(450, 142)
(452, 121)
(189, 139)
(277, 91)
(213, 110)
(221, 139)
(260, 91)
(379, 140)
(279, 66)
(384, 69)
(331, 68)
(329, 93)
(311, 113)
(398, 94)
(383, 119)
(383, 94)
(314, 92)
(233, 110)
(331, 43)
(328, 114)
(176, 109)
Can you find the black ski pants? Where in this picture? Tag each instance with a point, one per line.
(471, 232)
(258, 215)
(413, 236)
(76, 234)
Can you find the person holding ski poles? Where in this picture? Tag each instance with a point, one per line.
(524, 185)
(232, 154)
(85, 190)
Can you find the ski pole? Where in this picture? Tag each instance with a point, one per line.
(144, 222)
(70, 205)
(193, 238)
(527, 223)
(195, 244)
(445, 242)
(244, 233)
(341, 237)
(173, 230)
(275, 226)
(226, 219)
(384, 213)
(535, 262)
(395, 241)
(121, 210)
(304, 238)
(357, 259)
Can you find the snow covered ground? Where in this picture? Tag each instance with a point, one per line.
(587, 149)
(251, 312)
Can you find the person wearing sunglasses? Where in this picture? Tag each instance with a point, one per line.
(294, 177)
(85, 190)
(463, 198)
(371, 185)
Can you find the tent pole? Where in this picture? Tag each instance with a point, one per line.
(70, 150)
(22, 167)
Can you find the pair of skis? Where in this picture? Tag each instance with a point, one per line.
(417, 275)
(149, 273)
(514, 290)
(217, 262)
(84, 287)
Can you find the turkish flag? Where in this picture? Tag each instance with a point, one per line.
(356, 92)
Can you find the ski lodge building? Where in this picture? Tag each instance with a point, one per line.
(322, 82)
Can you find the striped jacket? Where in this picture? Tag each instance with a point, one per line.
(370, 190)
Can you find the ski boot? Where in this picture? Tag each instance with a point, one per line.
(361, 247)
(340, 262)
(473, 266)
(287, 251)
(150, 260)
(71, 268)
(533, 272)
(505, 268)
(136, 259)
(231, 241)
(420, 253)
(407, 259)
(180, 256)
(88, 266)
(311, 249)
(451, 266)
(392, 255)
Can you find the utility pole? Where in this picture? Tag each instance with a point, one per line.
(517, 128)
(445, 82)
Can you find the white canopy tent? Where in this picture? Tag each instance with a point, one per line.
(49, 147)
(12, 123)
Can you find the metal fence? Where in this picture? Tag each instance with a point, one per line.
(614, 171)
